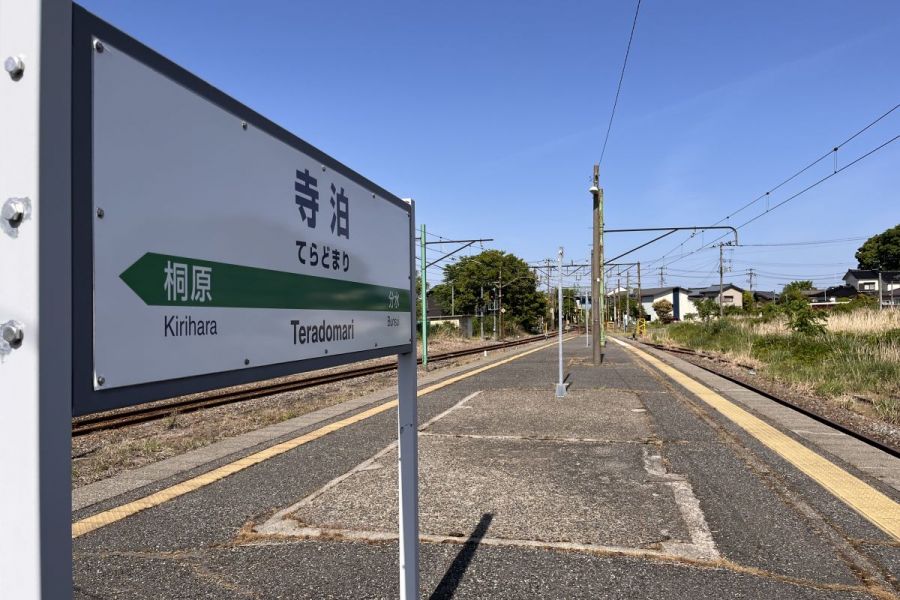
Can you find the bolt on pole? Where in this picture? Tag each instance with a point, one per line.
(560, 387)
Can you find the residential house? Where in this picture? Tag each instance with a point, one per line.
(732, 295)
(885, 284)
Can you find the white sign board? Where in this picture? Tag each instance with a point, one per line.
(218, 246)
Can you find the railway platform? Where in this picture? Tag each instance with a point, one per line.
(648, 480)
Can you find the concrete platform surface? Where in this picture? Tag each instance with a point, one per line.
(630, 487)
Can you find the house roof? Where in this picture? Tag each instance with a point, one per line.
(888, 276)
(661, 290)
(714, 289)
(764, 295)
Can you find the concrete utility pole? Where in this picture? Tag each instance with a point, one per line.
(750, 276)
(549, 300)
(423, 263)
(880, 295)
(619, 299)
(481, 320)
(627, 297)
(494, 310)
(452, 299)
(500, 300)
(662, 277)
(640, 297)
(598, 293)
(721, 279)
(560, 387)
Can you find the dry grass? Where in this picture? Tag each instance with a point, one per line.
(858, 355)
(864, 321)
(857, 322)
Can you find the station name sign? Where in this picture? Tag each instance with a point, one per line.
(220, 243)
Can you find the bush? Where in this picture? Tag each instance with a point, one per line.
(803, 319)
(860, 302)
(706, 308)
(663, 310)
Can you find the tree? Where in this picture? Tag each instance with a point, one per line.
(663, 310)
(794, 291)
(706, 308)
(747, 302)
(881, 252)
(802, 318)
(524, 305)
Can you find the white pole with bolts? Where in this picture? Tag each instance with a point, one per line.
(561, 386)
(35, 298)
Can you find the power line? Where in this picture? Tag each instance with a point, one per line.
(808, 243)
(621, 78)
(788, 199)
(796, 174)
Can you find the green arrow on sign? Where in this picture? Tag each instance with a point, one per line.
(162, 280)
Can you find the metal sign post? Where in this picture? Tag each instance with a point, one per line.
(561, 386)
(35, 303)
(408, 453)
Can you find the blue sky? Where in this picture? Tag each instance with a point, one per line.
(491, 114)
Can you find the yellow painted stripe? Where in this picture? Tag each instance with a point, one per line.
(855, 493)
(112, 515)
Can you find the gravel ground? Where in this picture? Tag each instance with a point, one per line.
(854, 413)
(103, 454)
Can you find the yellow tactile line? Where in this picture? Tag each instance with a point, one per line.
(112, 515)
(855, 493)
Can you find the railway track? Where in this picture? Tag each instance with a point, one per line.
(809, 413)
(143, 414)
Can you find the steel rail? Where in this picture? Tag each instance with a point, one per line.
(143, 414)
(804, 411)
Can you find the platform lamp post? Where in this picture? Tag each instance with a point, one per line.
(560, 387)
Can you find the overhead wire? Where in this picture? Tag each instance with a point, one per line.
(796, 174)
(612, 114)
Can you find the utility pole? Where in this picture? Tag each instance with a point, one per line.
(880, 295)
(424, 300)
(587, 323)
(662, 277)
(721, 279)
(549, 300)
(494, 310)
(750, 276)
(627, 297)
(452, 299)
(619, 299)
(481, 320)
(640, 297)
(500, 301)
(598, 294)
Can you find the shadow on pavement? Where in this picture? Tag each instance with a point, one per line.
(447, 587)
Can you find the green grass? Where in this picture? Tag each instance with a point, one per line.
(833, 365)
